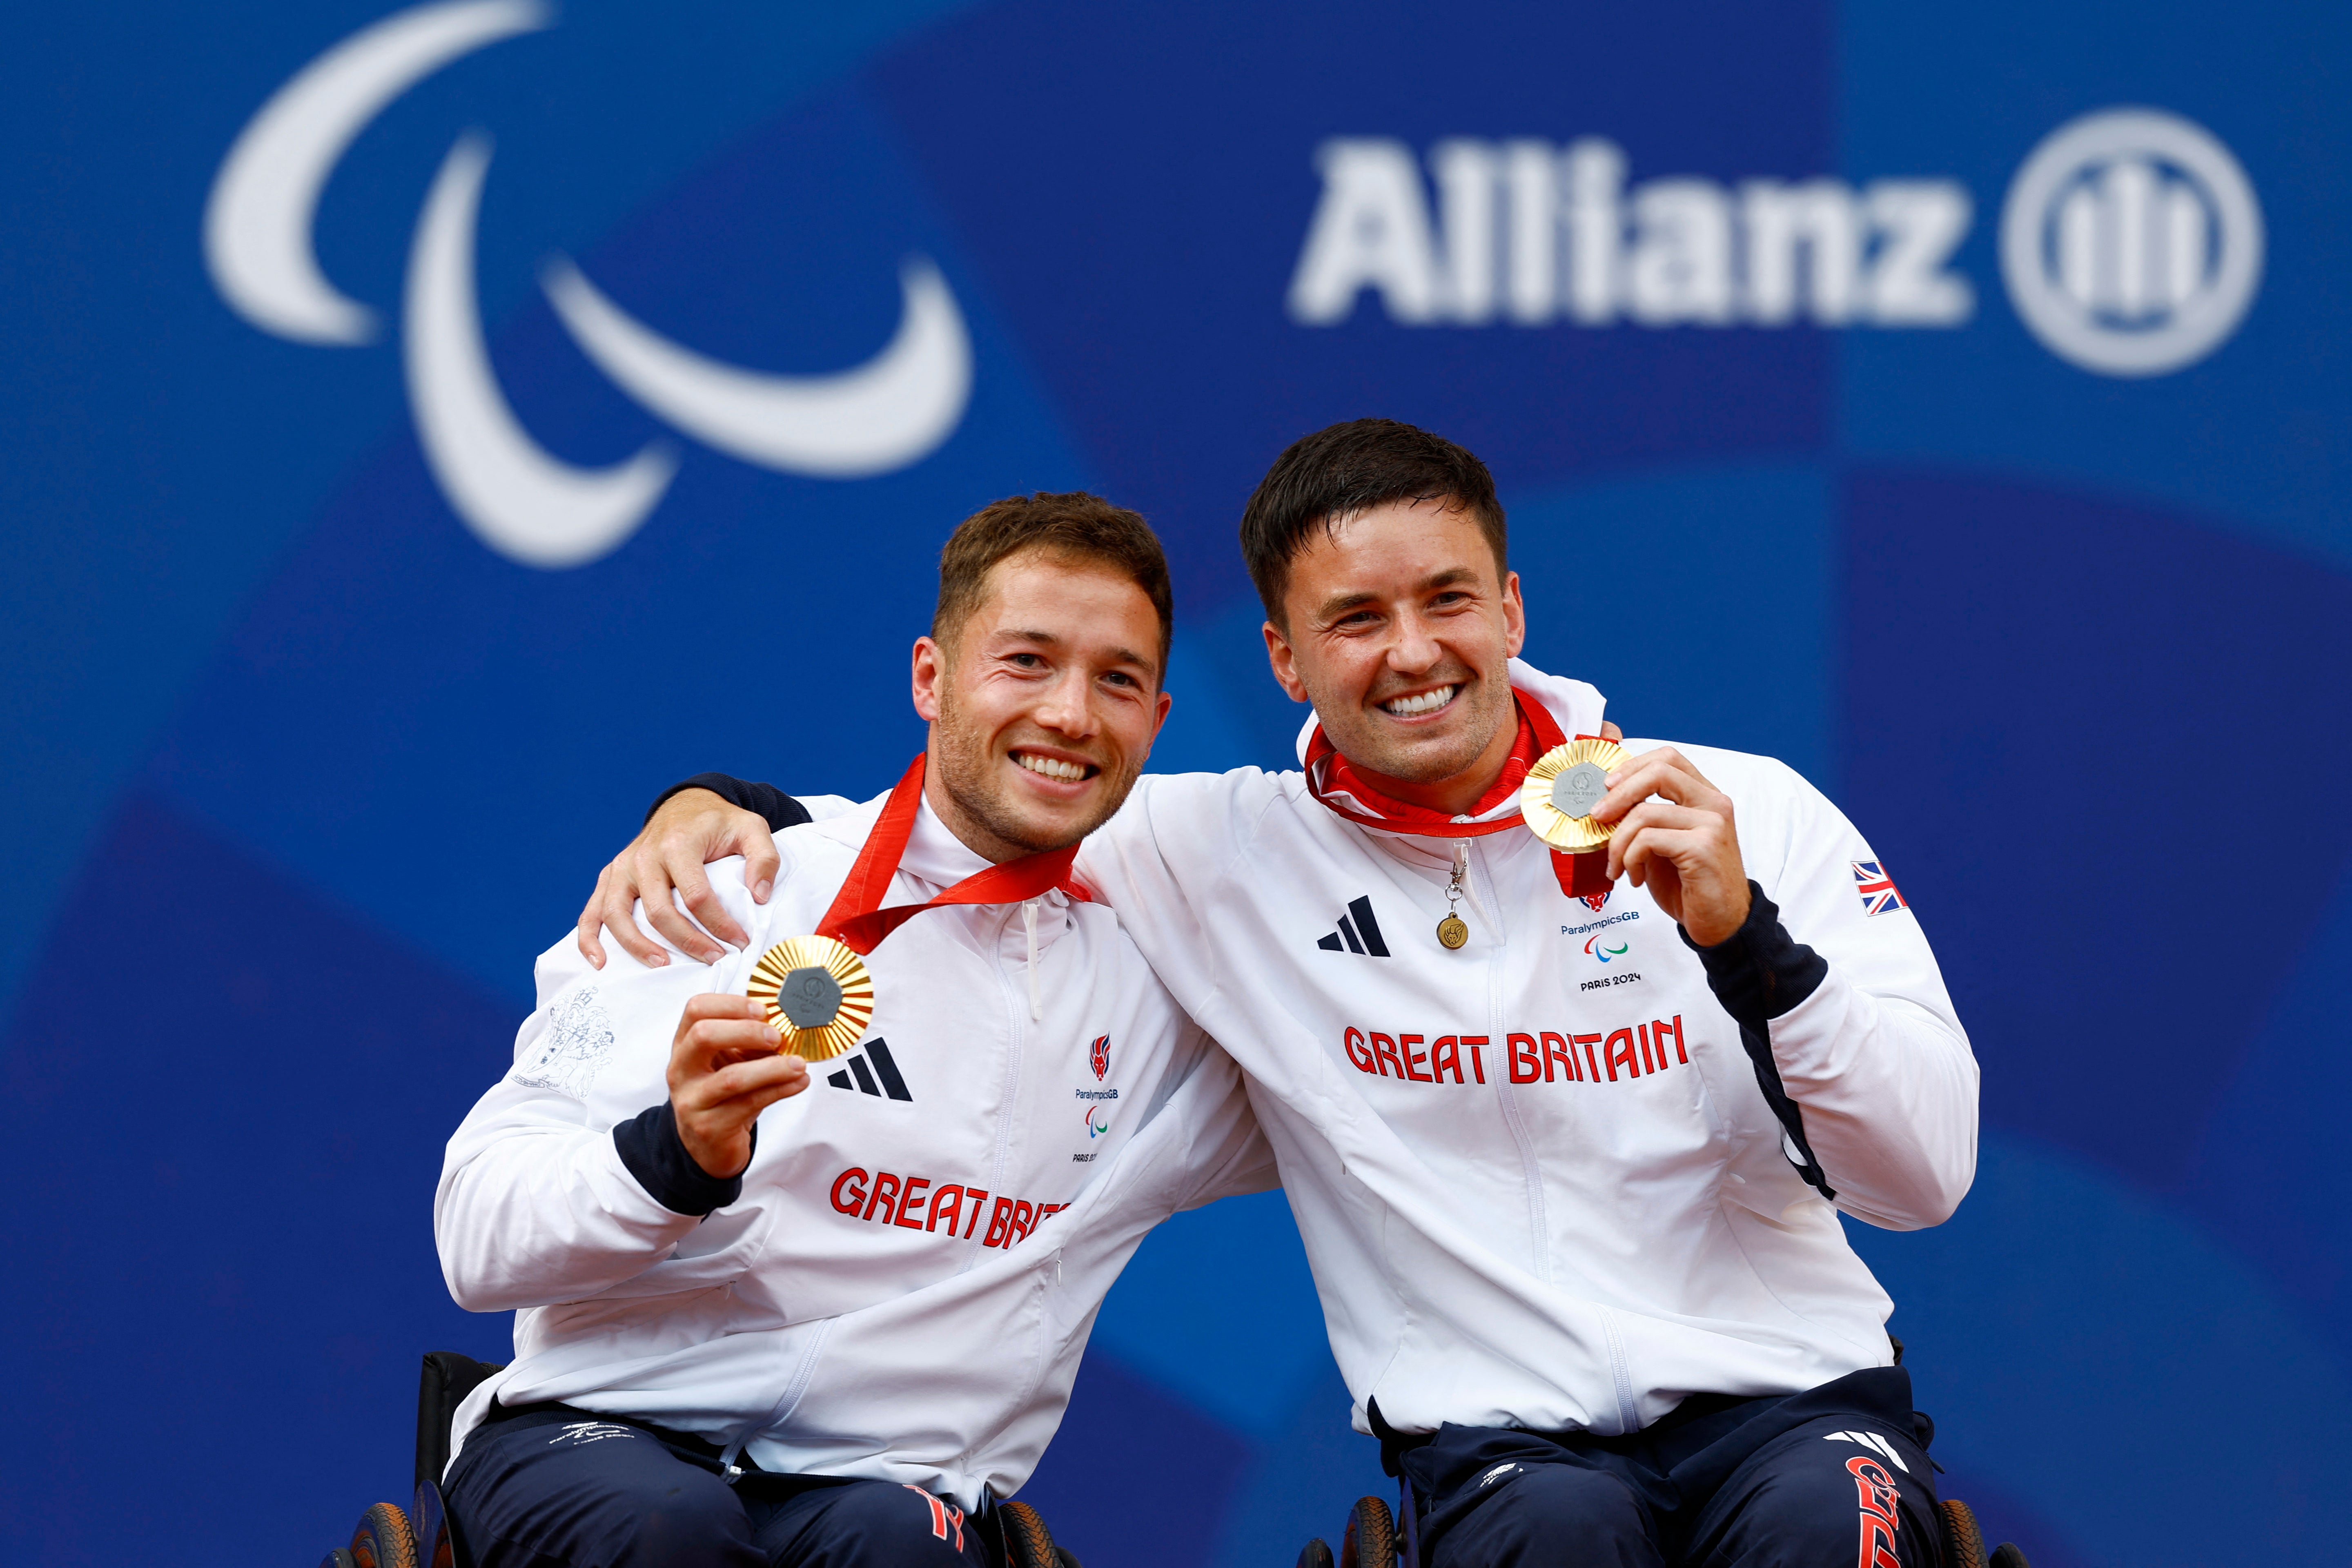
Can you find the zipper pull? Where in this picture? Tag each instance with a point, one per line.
(1451, 931)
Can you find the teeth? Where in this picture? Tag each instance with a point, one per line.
(1051, 767)
(1427, 702)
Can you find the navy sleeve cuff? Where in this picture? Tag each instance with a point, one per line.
(656, 1155)
(1760, 971)
(780, 809)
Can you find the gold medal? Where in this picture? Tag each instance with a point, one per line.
(818, 995)
(1452, 931)
(1562, 789)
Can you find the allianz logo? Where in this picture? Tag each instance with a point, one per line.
(2131, 242)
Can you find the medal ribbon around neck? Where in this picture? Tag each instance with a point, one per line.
(1581, 876)
(818, 993)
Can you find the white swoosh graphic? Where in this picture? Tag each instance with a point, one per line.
(257, 219)
(886, 413)
(525, 504)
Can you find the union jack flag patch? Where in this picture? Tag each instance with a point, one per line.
(1876, 887)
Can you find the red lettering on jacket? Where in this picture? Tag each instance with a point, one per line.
(1557, 1050)
(1445, 1057)
(911, 1200)
(999, 1220)
(978, 1198)
(1405, 1043)
(1526, 1066)
(882, 1197)
(1357, 1052)
(1478, 1062)
(1024, 1215)
(1384, 1050)
(1661, 1030)
(947, 1203)
(1608, 1048)
(1879, 1497)
(1610, 1054)
(856, 1199)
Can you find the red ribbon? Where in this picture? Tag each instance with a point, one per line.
(858, 922)
(1582, 876)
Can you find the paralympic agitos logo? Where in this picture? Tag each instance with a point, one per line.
(522, 500)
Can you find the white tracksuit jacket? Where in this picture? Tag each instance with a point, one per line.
(905, 1285)
(1499, 1239)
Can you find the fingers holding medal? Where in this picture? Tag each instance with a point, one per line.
(1564, 788)
(815, 994)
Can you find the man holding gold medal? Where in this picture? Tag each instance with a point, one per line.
(765, 1322)
(1575, 1224)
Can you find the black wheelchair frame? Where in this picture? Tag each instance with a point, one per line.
(426, 1536)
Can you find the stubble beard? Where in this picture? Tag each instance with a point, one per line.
(967, 770)
(1487, 703)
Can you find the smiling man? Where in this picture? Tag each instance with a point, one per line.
(1567, 1137)
(760, 1322)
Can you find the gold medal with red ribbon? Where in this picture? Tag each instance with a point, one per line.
(1541, 743)
(818, 993)
(1563, 789)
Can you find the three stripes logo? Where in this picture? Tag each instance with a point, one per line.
(1359, 932)
(885, 1069)
(1872, 1441)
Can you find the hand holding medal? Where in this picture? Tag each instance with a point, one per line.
(816, 991)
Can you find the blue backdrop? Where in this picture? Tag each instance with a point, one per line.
(1952, 401)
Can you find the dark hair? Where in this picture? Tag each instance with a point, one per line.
(1345, 470)
(1073, 525)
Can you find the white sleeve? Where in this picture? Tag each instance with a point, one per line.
(1230, 1156)
(535, 1204)
(1157, 861)
(1874, 1055)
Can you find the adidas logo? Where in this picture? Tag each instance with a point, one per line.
(1363, 936)
(883, 1069)
(1869, 1440)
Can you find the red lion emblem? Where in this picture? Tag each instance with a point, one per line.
(1099, 1056)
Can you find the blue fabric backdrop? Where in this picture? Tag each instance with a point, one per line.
(299, 769)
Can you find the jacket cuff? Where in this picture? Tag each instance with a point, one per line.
(780, 809)
(656, 1155)
(1760, 971)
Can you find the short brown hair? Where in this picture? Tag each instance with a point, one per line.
(1072, 525)
(1345, 470)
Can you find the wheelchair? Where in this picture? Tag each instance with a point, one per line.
(425, 1536)
(1377, 1538)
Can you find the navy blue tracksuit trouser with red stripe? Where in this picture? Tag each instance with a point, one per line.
(1837, 1474)
(551, 1486)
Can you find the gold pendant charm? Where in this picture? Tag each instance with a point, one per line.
(1563, 787)
(819, 997)
(1452, 931)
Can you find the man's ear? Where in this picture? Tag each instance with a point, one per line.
(1515, 614)
(931, 674)
(1284, 665)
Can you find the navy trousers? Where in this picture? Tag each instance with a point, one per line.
(1817, 1479)
(549, 1487)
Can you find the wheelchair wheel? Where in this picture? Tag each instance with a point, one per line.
(1027, 1542)
(428, 1522)
(1371, 1541)
(384, 1539)
(338, 1558)
(1964, 1545)
(2007, 1555)
(1316, 1553)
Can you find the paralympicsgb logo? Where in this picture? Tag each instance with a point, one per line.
(2131, 242)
